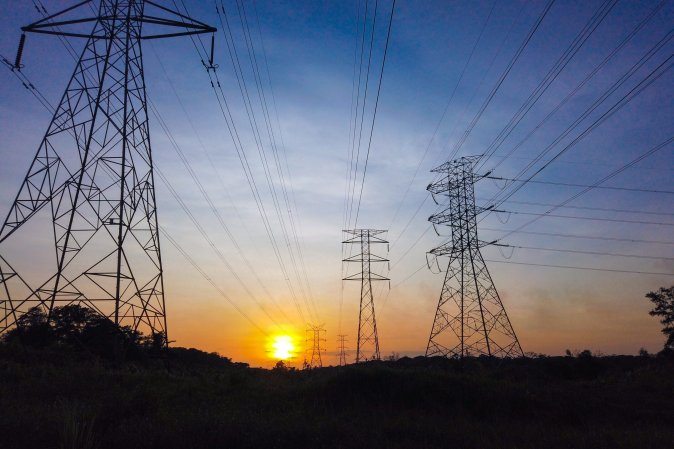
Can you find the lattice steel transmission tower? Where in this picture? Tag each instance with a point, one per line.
(470, 319)
(368, 340)
(89, 195)
(314, 336)
(341, 347)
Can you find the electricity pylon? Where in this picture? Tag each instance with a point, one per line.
(89, 195)
(470, 319)
(368, 340)
(314, 336)
(341, 347)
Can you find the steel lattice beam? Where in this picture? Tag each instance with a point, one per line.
(91, 183)
(470, 319)
(368, 339)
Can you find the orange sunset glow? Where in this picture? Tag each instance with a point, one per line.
(283, 347)
(336, 224)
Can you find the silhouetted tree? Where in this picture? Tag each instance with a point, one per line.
(80, 327)
(31, 329)
(585, 354)
(664, 308)
(280, 366)
(69, 322)
(154, 342)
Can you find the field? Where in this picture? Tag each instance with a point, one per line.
(56, 398)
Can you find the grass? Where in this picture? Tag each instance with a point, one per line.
(53, 398)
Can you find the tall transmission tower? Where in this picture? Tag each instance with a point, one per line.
(470, 319)
(341, 347)
(89, 194)
(368, 340)
(314, 336)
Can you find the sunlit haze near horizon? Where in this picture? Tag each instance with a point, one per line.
(574, 279)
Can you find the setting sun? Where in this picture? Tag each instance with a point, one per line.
(282, 347)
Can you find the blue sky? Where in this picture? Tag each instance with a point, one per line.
(310, 55)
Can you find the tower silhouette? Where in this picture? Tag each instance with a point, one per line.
(341, 347)
(368, 340)
(470, 319)
(314, 336)
(89, 194)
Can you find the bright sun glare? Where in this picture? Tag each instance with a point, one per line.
(282, 347)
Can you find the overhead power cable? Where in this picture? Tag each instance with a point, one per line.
(358, 142)
(499, 82)
(234, 134)
(565, 184)
(494, 90)
(238, 69)
(574, 267)
(444, 113)
(50, 108)
(297, 252)
(580, 236)
(295, 221)
(208, 279)
(614, 173)
(619, 170)
(578, 87)
(353, 111)
(581, 38)
(600, 209)
(572, 93)
(211, 243)
(652, 76)
(573, 217)
(374, 113)
(590, 253)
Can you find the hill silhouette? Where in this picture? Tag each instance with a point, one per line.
(60, 395)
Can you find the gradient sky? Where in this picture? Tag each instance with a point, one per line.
(310, 54)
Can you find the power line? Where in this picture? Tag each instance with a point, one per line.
(592, 253)
(565, 184)
(647, 56)
(234, 134)
(485, 104)
(654, 75)
(573, 92)
(580, 236)
(238, 69)
(374, 114)
(614, 173)
(601, 209)
(208, 279)
(586, 32)
(499, 82)
(614, 220)
(294, 218)
(444, 112)
(356, 149)
(574, 267)
(172, 190)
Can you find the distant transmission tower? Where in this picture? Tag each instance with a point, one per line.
(368, 341)
(89, 194)
(470, 319)
(341, 347)
(314, 336)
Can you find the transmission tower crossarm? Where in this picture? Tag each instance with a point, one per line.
(372, 277)
(191, 26)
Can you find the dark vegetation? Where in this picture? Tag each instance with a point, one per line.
(663, 300)
(59, 388)
(80, 328)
